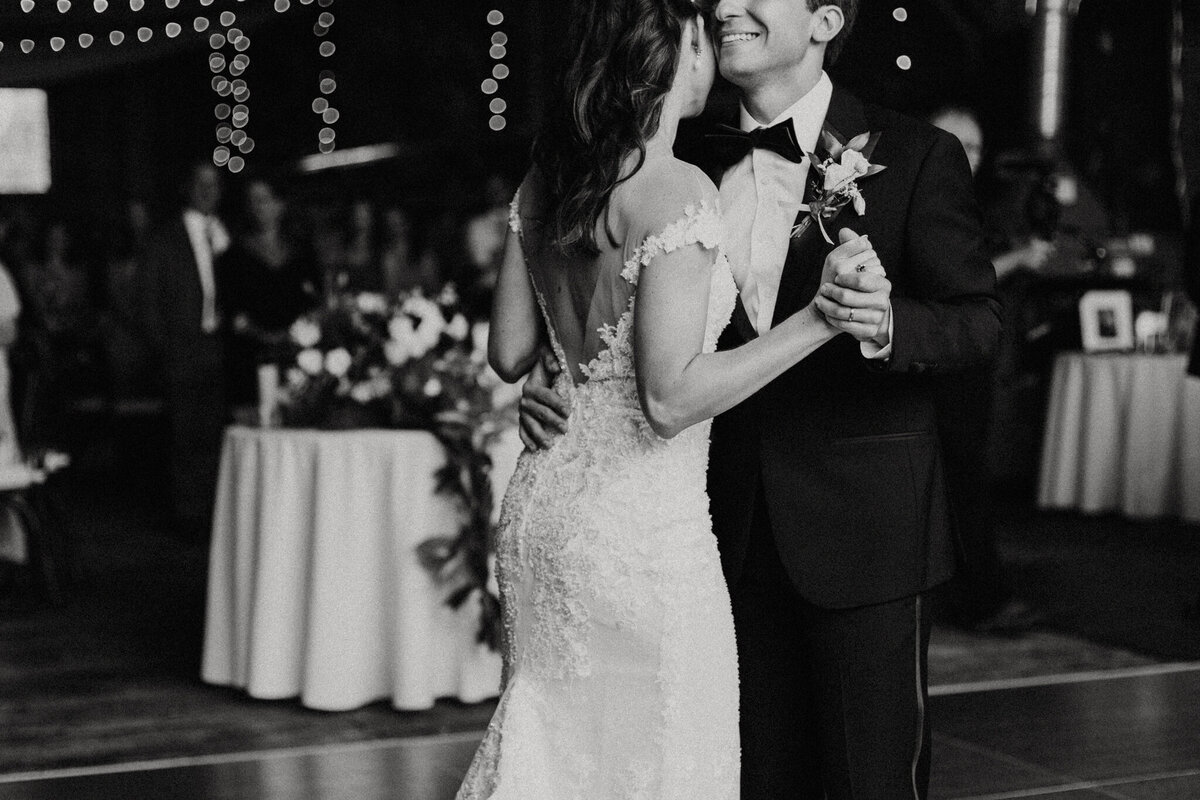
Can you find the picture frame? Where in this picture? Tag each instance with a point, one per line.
(1106, 321)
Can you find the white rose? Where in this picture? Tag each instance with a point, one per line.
(432, 387)
(338, 361)
(296, 377)
(836, 175)
(449, 295)
(311, 361)
(459, 328)
(381, 385)
(855, 161)
(419, 306)
(430, 329)
(371, 303)
(305, 332)
(396, 352)
(400, 327)
(361, 393)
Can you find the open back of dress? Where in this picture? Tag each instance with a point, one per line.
(580, 295)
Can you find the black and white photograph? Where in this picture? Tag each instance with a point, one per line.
(1106, 320)
(599, 400)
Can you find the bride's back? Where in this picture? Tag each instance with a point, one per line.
(582, 293)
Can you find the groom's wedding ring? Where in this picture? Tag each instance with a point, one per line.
(851, 317)
(861, 268)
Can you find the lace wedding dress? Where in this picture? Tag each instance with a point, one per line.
(620, 678)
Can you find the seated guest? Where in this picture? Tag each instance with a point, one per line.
(404, 266)
(264, 282)
(60, 332)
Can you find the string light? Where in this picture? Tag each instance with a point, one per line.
(497, 50)
(231, 120)
(233, 139)
(326, 79)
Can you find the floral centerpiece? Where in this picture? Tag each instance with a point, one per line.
(364, 360)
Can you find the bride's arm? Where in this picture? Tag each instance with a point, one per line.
(678, 384)
(515, 334)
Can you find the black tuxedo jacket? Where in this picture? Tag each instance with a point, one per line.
(845, 449)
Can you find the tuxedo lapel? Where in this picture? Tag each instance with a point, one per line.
(806, 252)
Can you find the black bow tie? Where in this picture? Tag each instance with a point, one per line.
(731, 144)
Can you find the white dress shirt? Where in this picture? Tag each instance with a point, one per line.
(209, 239)
(761, 196)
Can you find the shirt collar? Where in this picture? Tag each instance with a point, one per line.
(807, 113)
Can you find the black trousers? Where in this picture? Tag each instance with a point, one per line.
(832, 701)
(980, 586)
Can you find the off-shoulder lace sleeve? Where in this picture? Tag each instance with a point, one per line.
(700, 224)
(514, 213)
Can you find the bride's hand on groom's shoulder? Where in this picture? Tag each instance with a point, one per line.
(855, 294)
(543, 412)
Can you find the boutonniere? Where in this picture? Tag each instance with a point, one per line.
(836, 179)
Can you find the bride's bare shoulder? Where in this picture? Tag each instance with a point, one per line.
(661, 192)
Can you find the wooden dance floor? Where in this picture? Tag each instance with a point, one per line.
(1129, 735)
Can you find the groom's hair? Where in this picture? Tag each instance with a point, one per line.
(850, 13)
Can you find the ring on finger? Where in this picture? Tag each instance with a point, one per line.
(851, 317)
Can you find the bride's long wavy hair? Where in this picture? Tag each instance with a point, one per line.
(620, 63)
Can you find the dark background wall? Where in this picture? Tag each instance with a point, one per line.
(125, 119)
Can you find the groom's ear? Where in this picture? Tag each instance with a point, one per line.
(827, 23)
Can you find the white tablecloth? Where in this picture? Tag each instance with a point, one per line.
(315, 589)
(1122, 434)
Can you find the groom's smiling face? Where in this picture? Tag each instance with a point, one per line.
(758, 40)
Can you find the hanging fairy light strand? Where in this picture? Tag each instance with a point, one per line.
(491, 85)
(233, 142)
(228, 61)
(326, 79)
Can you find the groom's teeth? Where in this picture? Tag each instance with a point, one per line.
(738, 37)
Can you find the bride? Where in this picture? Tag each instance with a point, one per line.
(620, 669)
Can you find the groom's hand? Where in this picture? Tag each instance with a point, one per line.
(855, 294)
(543, 412)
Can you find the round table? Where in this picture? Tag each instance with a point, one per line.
(1122, 434)
(315, 590)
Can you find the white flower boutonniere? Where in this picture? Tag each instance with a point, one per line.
(838, 176)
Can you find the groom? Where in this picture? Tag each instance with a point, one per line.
(827, 488)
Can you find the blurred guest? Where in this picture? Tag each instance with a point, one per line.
(126, 352)
(485, 234)
(182, 319)
(1033, 253)
(405, 266)
(13, 546)
(980, 596)
(1191, 266)
(360, 257)
(265, 281)
(59, 332)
